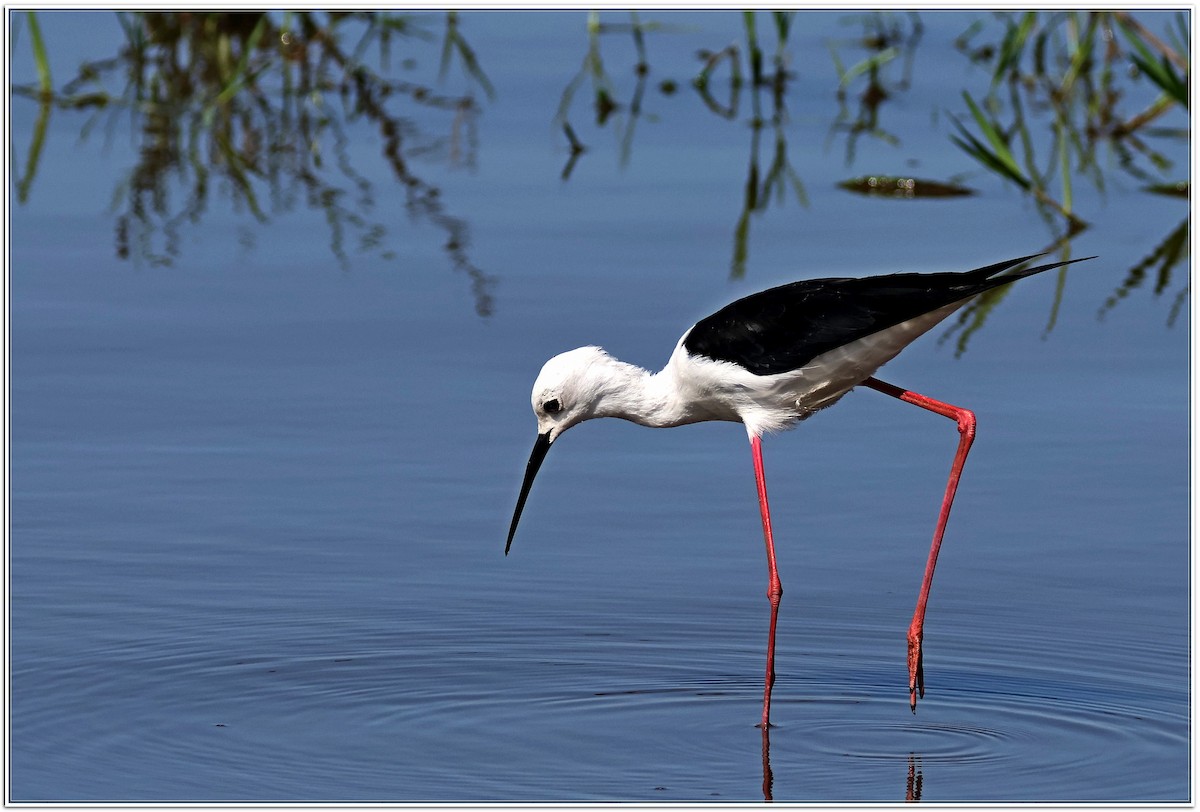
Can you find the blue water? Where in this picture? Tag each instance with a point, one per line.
(259, 496)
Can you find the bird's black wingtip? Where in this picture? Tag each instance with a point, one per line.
(997, 272)
(1045, 267)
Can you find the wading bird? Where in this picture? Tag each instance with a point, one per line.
(768, 361)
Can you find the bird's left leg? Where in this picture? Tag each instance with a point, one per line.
(966, 431)
(774, 587)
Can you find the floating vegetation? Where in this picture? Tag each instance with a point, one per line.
(905, 188)
(1181, 188)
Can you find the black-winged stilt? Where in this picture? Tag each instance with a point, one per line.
(769, 361)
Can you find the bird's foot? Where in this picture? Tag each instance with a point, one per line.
(916, 674)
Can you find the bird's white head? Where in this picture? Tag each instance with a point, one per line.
(569, 388)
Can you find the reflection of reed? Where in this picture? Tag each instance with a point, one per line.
(1166, 256)
(1061, 77)
(761, 187)
(605, 95)
(257, 107)
(885, 41)
(1069, 64)
(971, 317)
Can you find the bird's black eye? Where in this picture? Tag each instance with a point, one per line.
(552, 406)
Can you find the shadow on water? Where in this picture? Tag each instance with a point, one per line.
(258, 107)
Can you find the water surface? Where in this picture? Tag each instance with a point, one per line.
(259, 495)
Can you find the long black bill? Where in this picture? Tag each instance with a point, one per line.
(531, 468)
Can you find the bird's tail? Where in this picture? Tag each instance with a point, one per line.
(989, 273)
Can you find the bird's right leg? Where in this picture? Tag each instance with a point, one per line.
(774, 587)
(965, 419)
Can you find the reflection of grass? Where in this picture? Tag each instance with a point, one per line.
(45, 93)
(454, 42)
(25, 179)
(257, 108)
(997, 156)
(40, 60)
(970, 319)
(1068, 63)
(1056, 94)
(887, 43)
(1167, 256)
(606, 96)
(761, 188)
(1161, 71)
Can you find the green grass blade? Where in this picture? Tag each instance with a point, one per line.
(870, 63)
(971, 145)
(25, 180)
(447, 42)
(1013, 46)
(999, 157)
(992, 133)
(39, 55)
(1162, 74)
(241, 75)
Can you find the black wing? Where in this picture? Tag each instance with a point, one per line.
(784, 328)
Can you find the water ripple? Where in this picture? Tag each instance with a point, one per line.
(604, 704)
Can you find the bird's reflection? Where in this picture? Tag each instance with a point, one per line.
(912, 789)
(768, 776)
(912, 783)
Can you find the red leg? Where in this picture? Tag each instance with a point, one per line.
(774, 587)
(966, 430)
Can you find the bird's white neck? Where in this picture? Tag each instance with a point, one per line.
(650, 399)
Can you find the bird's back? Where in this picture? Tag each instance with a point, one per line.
(786, 327)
